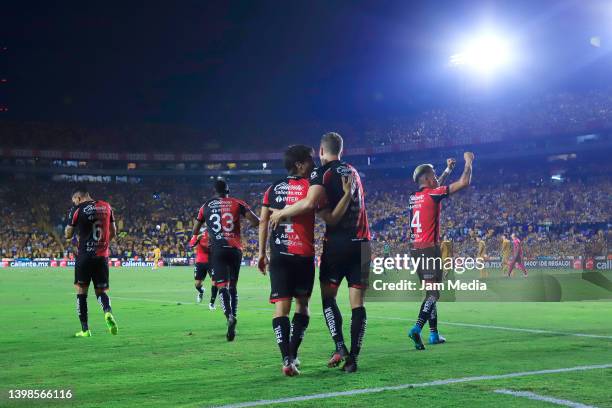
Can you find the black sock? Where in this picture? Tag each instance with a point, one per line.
(359, 322)
(200, 290)
(104, 301)
(333, 319)
(433, 319)
(233, 292)
(425, 311)
(82, 311)
(282, 327)
(298, 328)
(213, 294)
(226, 304)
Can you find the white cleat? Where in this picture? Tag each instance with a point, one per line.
(212, 307)
(199, 297)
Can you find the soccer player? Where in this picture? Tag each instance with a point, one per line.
(291, 263)
(156, 257)
(482, 254)
(425, 207)
(95, 226)
(222, 216)
(202, 268)
(517, 256)
(346, 246)
(446, 252)
(506, 252)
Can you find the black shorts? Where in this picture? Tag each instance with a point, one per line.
(200, 270)
(349, 260)
(291, 276)
(225, 264)
(91, 268)
(430, 263)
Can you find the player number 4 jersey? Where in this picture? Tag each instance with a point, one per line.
(295, 236)
(222, 217)
(425, 206)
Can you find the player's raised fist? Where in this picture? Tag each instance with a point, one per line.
(468, 156)
(450, 163)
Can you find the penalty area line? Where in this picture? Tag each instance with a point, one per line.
(416, 385)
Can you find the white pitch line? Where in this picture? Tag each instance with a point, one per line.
(417, 385)
(536, 397)
(479, 326)
(517, 329)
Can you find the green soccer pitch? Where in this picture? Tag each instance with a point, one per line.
(171, 352)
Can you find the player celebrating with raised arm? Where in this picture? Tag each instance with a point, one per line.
(95, 226)
(291, 261)
(202, 268)
(346, 247)
(425, 207)
(222, 216)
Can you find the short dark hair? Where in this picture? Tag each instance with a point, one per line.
(221, 187)
(296, 153)
(332, 142)
(81, 189)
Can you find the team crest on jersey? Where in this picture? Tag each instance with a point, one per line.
(313, 174)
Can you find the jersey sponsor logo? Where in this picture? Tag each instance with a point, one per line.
(284, 187)
(344, 170)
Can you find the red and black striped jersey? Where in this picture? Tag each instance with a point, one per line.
(294, 236)
(92, 219)
(222, 217)
(425, 206)
(201, 248)
(354, 224)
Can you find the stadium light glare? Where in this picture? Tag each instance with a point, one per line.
(483, 53)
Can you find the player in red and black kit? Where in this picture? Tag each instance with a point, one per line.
(95, 226)
(425, 206)
(291, 263)
(222, 216)
(202, 268)
(346, 247)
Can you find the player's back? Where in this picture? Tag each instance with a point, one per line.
(353, 226)
(222, 216)
(295, 236)
(93, 220)
(425, 207)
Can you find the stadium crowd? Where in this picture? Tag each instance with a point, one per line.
(470, 122)
(554, 219)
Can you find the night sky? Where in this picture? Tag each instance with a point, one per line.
(250, 63)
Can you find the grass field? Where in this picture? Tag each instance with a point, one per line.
(171, 352)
